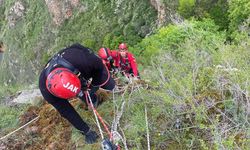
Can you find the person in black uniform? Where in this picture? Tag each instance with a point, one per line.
(66, 75)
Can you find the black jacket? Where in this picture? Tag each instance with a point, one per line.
(90, 66)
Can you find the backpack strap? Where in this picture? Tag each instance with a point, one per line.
(58, 61)
(109, 57)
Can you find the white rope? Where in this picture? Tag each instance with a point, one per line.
(97, 121)
(115, 112)
(19, 128)
(146, 118)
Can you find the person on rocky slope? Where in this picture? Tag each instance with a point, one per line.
(126, 62)
(106, 55)
(67, 75)
(120, 60)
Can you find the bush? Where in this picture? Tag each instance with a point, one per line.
(239, 14)
(169, 39)
(186, 8)
(200, 84)
(216, 10)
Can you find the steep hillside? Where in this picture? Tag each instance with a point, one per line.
(32, 31)
(194, 92)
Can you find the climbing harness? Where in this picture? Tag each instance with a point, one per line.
(124, 65)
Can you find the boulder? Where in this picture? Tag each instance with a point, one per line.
(33, 97)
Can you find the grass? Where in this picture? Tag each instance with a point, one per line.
(9, 119)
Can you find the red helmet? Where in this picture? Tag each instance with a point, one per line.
(123, 46)
(62, 83)
(104, 53)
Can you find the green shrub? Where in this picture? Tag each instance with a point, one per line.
(169, 39)
(186, 8)
(201, 82)
(239, 12)
(219, 13)
(216, 10)
(107, 25)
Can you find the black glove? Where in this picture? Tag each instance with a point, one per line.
(84, 84)
(91, 137)
(93, 89)
(106, 144)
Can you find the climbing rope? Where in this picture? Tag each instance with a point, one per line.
(89, 102)
(19, 128)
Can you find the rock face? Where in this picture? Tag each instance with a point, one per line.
(160, 7)
(1, 2)
(16, 12)
(28, 97)
(166, 14)
(61, 10)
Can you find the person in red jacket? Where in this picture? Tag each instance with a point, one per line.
(125, 61)
(106, 55)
